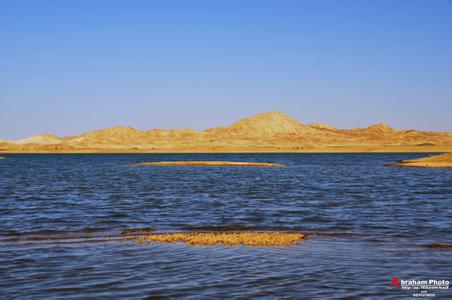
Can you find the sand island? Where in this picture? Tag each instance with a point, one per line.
(147, 235)
(435, 161)
(225, 238)
(208, 164)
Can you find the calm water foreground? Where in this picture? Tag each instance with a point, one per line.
(383, 222)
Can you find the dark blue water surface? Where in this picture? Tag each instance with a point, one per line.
(384, 222)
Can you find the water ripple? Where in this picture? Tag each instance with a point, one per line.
(66, 219)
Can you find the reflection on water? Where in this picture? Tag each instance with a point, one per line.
(69, 224)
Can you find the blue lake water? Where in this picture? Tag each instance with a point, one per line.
(372, 222)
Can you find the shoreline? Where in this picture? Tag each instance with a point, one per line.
(443, 160)
(216, 150)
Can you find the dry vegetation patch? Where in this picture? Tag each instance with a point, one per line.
(225, 238)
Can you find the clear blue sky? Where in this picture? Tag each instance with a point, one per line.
(68, 67)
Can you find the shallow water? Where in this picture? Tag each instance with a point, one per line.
(373, 223)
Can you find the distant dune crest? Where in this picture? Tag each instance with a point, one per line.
(263, 125)
(262, 132)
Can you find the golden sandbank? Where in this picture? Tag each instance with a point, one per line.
(435, 161)
(209, 164)
(225, 238)
(148, 235)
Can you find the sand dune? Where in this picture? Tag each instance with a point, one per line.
(267, 132)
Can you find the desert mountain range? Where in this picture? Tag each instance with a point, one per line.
(266, 132)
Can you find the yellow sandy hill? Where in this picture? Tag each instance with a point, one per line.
(263, 125)
(266, 132)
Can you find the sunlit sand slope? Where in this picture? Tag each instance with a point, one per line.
(266, 132)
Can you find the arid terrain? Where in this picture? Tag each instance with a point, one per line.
(435, 161)
(266, 132)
